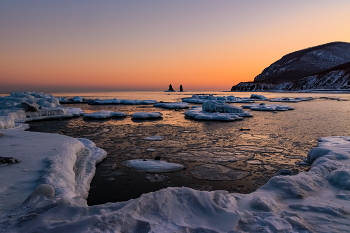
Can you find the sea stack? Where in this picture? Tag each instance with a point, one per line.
(181, 89)
(171, 89)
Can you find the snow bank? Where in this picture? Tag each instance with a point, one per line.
(116, 101)
(104, 114)
(153, 166)
(268, 107)
(21, 107)
(217, 111)
(177, 105)
(313, 201)
(64, 163)
(146, 115)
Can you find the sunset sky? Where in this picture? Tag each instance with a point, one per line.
(112, 45)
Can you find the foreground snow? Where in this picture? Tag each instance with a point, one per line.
(314, 201)
(62, 168)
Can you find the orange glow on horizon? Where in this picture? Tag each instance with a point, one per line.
(210, 47)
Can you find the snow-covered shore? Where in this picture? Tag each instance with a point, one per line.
(313, 201)
(47, 190)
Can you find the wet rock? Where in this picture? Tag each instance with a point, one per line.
(284, 172)
(8, 160)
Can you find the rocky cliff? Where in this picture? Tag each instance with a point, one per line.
(320, 67)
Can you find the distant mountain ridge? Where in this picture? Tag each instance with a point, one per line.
(324, 66)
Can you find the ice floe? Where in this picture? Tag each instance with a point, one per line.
(20, 107)
(104, 114)
(334, 98)
(177, 105)
(75, 99)
(154, 138)
(122, 101)
(217, 111)
(146, 115)
(153, 166)
(200, 99)
(268, 107)
(259, 97)
(285, 99)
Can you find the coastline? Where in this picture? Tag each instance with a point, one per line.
(313, 201)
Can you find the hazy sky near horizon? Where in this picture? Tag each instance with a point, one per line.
(112, 45)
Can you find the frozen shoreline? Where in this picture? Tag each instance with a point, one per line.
(62, 167)
(314, 201)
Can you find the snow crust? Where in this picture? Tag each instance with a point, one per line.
(217, 111)
(104, 114)
(146, 115)
(64, 164)
(177, 105)
(153, 166)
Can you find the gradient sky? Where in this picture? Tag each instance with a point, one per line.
(112, 45)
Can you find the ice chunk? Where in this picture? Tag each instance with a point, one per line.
(154, 138)
(268, 107)
(177, 105)
(340, 178)
(146, 115)
(217, 111)
(217, 106)
(116, 101)
(285, 99)
(151, 165)
(104, 114)
(256, 96)
(76, 111)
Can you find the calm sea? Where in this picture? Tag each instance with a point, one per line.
(217, 155)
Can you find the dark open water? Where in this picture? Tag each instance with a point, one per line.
(217, 155)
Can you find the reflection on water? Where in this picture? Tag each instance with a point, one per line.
(217, 155)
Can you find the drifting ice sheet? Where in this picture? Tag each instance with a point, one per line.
(217, 111)
(104, 114)
(153, 166)
(268, 107)
(177, 105)
(21, 107)
(146, 115)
